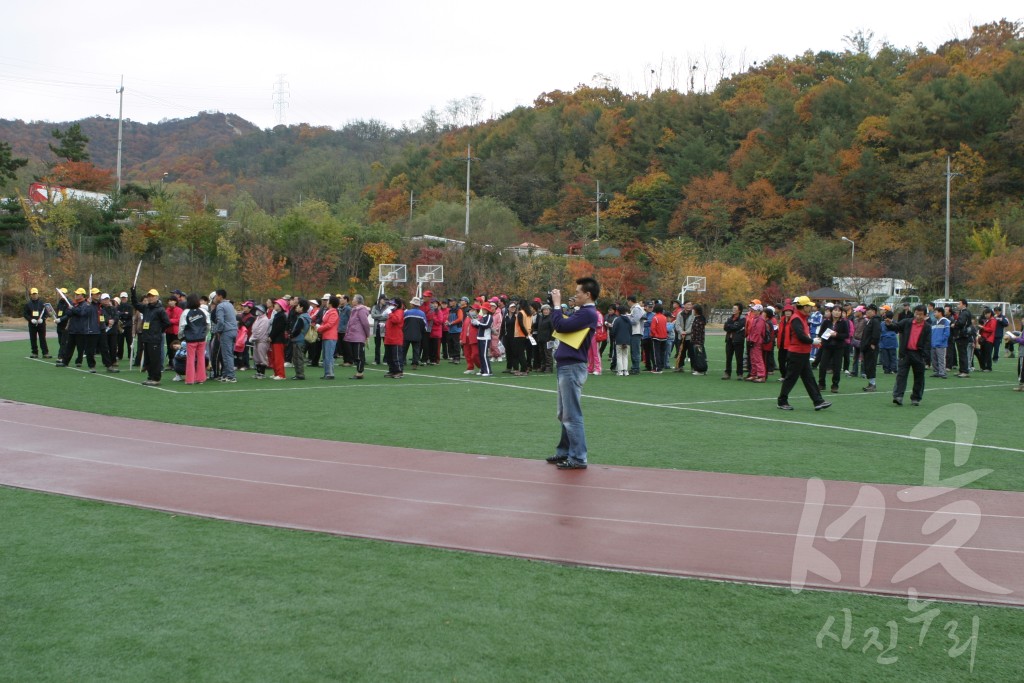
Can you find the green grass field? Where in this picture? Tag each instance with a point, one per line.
(90, 591)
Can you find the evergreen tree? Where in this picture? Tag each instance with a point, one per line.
(72, 143)
(8, 164)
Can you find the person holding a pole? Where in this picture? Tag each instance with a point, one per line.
(154, 322)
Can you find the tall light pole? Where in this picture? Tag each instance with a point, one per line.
(120, 131)
(949, 177)
(597, 205)
(853, 247)
(469, 162)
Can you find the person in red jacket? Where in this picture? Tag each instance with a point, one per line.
(171, 333)
(470, 349)
(394, 338)
(756, 332)
(986, 340)
(437, 317)
(798, 356)
(659, 338)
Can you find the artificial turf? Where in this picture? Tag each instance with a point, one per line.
(90, 591)
(96, 592)
(670, 421)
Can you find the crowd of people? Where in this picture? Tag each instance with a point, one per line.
(203, 338)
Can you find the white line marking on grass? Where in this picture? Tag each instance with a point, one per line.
(759, 418)
(515, 510)
(335, 387)
(860, 394)
(106, 375)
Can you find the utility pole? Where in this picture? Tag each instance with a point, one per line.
(411, 202)
(469, 162)
(120, 130)
(597, 206)
(949, 177)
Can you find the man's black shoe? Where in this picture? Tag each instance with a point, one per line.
(822, 405)
(785, 406)
(571, 465)
(898, 401)
(915, 403)
(555, 459)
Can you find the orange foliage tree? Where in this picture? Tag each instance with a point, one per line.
(262, 270)
(81, 175)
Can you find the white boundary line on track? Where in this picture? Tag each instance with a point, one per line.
(276, 456)
(486, 508)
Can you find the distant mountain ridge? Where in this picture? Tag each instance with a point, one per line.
(148, 149)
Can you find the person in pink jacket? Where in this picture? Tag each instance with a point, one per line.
(497, 314)
(357, 333)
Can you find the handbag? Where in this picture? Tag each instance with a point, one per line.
(311, 335)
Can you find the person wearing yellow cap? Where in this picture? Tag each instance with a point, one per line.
(83, 332)
(798, 356)
(35, 315)
(154, 322)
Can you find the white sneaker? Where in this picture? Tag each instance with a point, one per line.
(470, 372)
(486, 374)
(289, 365)
(176, 378)
(277, 378)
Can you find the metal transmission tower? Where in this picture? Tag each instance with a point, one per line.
(281, 95)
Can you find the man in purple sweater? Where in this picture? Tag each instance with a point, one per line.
(571, 452)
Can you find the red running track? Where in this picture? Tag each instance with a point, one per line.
(697, 524)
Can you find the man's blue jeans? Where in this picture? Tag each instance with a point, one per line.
(573, 442)
(329, 345)
(227, 353)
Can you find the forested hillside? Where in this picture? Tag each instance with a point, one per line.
(752, 184)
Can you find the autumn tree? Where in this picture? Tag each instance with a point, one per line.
(262, 270)
(81, 175)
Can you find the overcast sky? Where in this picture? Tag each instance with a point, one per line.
(394, 59)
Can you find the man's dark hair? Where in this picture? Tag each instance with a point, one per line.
(631, 298)
(222, 293)
(591, 287)
(920, 307)
(963, 302)
(658, 308)
(193, 301)
(623, 309)
(333, 301)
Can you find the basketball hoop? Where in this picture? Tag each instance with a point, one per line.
(694, 283)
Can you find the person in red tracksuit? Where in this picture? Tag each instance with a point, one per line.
(756, 332)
